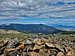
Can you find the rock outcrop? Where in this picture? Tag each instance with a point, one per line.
(36, 47)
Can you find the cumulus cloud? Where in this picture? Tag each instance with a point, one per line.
(37, 8)
(62, 11)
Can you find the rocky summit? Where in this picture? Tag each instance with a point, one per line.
(34, 47)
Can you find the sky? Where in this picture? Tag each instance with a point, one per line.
(56, 13)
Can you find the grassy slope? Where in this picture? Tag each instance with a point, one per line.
(24, 35)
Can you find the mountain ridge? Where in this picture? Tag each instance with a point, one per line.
(30, 28)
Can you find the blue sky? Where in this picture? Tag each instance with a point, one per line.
(56, 13)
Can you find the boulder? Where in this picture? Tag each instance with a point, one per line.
(21, 46)
(50, 45)
(28, 42)
(38, 47)
(60, 54)
(70, 53)
(1, 43)
(32, 54)
(3, 55)
(9, 49)
(28, 48)
(38, 41)
(59, 48)
(44, 52)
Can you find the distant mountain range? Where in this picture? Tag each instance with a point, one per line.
(30, 28)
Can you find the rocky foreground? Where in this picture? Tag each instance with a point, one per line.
(36, 47)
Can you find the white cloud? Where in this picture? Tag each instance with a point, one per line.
(34, 8)
(23, 9)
